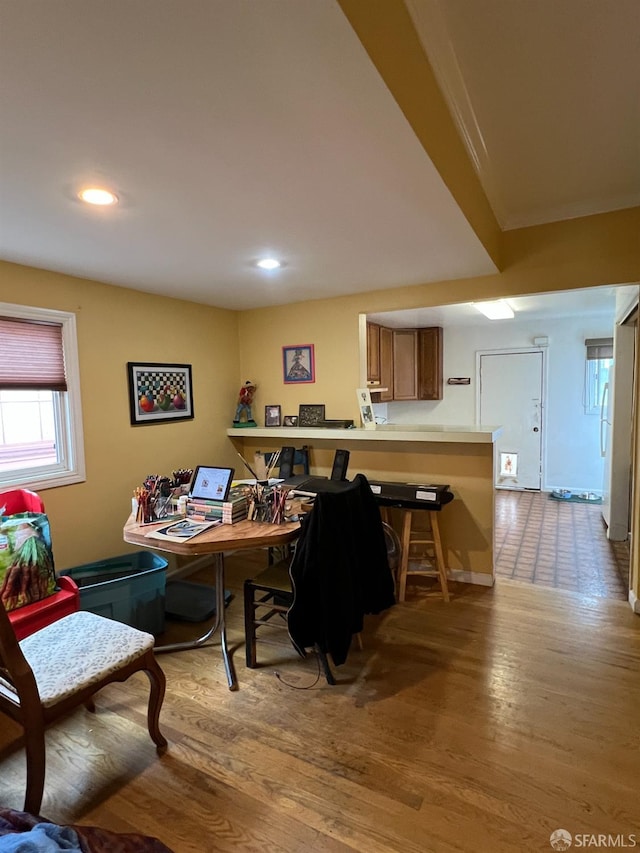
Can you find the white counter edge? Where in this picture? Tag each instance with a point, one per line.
(449, 435)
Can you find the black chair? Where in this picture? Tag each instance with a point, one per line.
(340, 572)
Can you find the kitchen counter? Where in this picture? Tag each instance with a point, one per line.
(459, 456)
(382, 432)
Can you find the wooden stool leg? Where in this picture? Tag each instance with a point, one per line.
(404, 556)
(442, 572)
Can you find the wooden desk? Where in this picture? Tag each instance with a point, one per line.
(215, 541)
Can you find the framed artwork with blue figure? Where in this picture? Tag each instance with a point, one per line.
(298, 364)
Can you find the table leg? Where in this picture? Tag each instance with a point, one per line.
(219, 624)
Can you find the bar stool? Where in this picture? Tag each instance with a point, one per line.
(429, 555)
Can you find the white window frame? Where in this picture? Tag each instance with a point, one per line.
(67, 409)
(593, 386)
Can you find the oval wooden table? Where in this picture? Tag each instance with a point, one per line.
(214, 542)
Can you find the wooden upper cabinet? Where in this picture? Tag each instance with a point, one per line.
(405, 364)
(373, 352)
(430, 363)
(386, 364)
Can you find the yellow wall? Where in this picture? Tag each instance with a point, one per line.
(580, 253)
(585, 252)
(115, 326)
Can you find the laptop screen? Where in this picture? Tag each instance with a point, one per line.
(211, 483)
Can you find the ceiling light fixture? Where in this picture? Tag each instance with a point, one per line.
(95, 195)
(498, 309)
(268, 264)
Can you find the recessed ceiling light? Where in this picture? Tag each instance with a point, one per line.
(498, 309)
(268, 264)
(95, 195)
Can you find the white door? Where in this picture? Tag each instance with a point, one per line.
(511, 397)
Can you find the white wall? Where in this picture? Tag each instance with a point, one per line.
(572, 438)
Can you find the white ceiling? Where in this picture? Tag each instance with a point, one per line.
(231, 130)
(546, 94)
(591, 302)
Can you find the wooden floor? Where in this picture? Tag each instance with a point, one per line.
(482, 725)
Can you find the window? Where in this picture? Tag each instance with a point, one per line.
(40, 413)
(598, 364)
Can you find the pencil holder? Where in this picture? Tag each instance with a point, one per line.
(266, 504)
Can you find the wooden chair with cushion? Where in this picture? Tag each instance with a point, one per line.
(62, 666)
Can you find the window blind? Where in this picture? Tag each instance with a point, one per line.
(599, 348)
(31, 355)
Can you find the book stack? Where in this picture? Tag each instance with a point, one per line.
(232, 510)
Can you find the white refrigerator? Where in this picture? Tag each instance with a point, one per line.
(615, 435)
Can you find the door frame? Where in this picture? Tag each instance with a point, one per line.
(543, 400)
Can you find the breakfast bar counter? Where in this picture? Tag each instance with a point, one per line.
(383, 432)
(460, 456)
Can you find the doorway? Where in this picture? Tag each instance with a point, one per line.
(510, 388)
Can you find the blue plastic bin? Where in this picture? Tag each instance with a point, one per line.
(129, 589)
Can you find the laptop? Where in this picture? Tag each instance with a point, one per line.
(211, 483)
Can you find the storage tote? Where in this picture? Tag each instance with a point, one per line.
(129, 589)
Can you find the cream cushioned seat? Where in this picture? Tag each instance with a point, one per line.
(92, 648)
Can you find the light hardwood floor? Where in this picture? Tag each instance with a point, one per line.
(481, 725)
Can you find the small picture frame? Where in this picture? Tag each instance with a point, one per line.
(272, 416)
(290, 421)
(298, 364)
(366, 409)
(310, 414)
(159, 393)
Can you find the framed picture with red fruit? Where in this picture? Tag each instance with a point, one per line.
(159, 393)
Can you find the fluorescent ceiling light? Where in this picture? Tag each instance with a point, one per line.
(496, 310)
(95, 195)
(268, 264)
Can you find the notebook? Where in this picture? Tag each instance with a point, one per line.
(211, 483)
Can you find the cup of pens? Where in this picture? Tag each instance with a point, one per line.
(266, 504)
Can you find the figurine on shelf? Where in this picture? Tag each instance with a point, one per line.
(245, 398)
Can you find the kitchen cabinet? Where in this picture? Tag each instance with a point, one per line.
(430, 363)
(386, 365)
(373, 353)
(405, 364)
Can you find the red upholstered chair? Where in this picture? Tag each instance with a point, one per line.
(20, 500)
(25, 620)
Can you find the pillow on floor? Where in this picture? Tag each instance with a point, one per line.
(26, 559)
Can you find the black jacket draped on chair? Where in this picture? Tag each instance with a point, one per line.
(340, 570)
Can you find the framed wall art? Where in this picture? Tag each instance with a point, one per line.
(310, 414)
(290, 420)
(272, 416)
(298, 364)
(159, 393)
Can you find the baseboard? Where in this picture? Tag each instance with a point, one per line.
(463, 576)
(634, 601)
